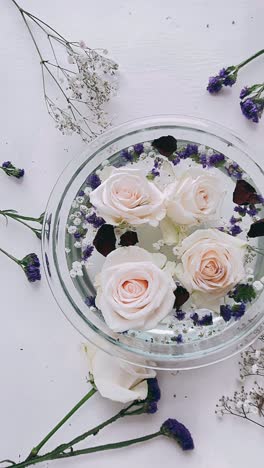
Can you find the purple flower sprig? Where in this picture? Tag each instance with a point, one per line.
(11, 170)
(30, 265)
(228, 76)
(13, 214)
(252, 102)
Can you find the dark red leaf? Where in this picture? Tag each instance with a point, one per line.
(128, 238)
(245, 194)
(181, 296)
(256, 229)
(166, 145)
(105, 239)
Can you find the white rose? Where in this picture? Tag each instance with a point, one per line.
(127, 195)
(116, 379)
(194, 197)
(212, 264)
(133, 292)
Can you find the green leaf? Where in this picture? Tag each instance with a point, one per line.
(243, 293)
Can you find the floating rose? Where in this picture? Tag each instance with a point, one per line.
(212, 264)
(132, 291)
(127, 196)
(166, 145)
(195, 197)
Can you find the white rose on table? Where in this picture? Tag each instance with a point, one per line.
(133, 292)
(194, 197)
(128, 196)
(212, 263)
(115, 379)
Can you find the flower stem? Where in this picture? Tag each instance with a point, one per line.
(245, 62)
(36, 449)
(10, 256)
(99, 448)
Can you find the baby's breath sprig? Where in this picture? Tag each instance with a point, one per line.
(85, 83)
(13, 214)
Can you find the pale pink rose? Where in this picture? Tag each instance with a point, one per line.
(133, 292)
(127, 196)
(194, 197)
(212, 263)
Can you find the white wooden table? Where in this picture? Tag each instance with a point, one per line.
(166, 51)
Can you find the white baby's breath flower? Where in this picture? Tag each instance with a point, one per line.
(77, 221)
(80, 200)
(77, 244)
(75, 204)
(254, 368)
(73, 273)
(87, 191)
(67, 250)
(147, 146)
(72, 229)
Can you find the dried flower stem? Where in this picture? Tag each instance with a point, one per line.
(87, 84)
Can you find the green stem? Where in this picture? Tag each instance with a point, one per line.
(10, 256)
(36, 449)
(99, 448)
(245, 62)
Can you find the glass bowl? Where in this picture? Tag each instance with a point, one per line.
(154, 350)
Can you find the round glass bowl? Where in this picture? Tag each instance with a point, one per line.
(155, 348)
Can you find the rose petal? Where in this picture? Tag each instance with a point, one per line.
(166, 145)
(245, 194)
(181, 296)
(128, 238)
(105, 239)
(256, 229)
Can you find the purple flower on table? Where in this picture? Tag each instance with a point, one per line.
(11, 170)
(235, 230)
(177, 431)
(93, 180)
(252, 108)
(153, 390)
(150, 407)
(244, 92)
(225, 77)
(215, 84)
(30, 264)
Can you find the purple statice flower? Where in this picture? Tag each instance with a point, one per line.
(81, 193)
(180, 315)
(216, 159)
(139, 148)
(176, 160)
(238, 310)
(195, 318)
(154, 172)
(93, 180)
(95, 220)
(190, 150)
(87, 252)
(177, 431)
(153, 390)
(207, 319)
(241, 210)
(252, 211)
(203, 160)
(179, 338)
(11, 170)
(226, 312)
(244, 92)
(221, 228)
(235, 230)
(233, 220)
(77, 235)
(150, 407)
(90, 301)
(30, 264)
(234, 170)
(252, 108)
(124, 153)
(225, 77)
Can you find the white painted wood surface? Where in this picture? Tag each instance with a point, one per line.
(166, 52)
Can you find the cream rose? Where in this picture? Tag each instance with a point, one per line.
(127, 195)
(115, 379)
(133, 292)
(194, 197)
(212, 263)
